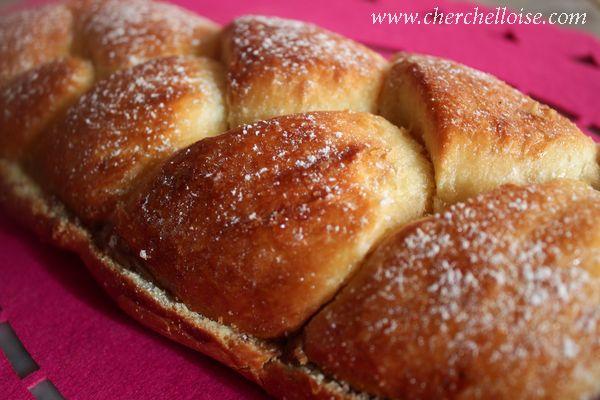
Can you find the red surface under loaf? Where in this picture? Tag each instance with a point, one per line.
(89, 349)
(84, 344)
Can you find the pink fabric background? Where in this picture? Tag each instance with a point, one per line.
(90, 350)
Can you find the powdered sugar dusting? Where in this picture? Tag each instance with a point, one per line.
(32, 37)
(500, 284)
(136, 104)
(125, 121)
(474, 102)
(530, 272)
(46, 82)
(31, 99)
(125, 33)
(282, 210)
(288, 48)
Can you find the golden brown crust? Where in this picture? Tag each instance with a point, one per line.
(118, 34)
(278, 67)
(281, 211)
(33, 37)
(36, 97)
(125, 124)
(498, 297)
(479, 131)
(346, 181)
(142, 300)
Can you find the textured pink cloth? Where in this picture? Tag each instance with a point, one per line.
(90, 350)
(83, 343)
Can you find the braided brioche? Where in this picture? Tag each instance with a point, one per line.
(32, 38)
(235, 190)
(125, 124)
(489, 298)
(215, 213)
(277, 67)
(479, 131)
(34, 98)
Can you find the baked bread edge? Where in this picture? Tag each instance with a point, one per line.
(257, 360)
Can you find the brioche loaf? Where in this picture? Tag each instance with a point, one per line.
(235, 190)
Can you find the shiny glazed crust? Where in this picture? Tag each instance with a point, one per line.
(215, 213)
(244, 244)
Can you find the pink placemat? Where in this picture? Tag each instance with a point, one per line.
(88, 349)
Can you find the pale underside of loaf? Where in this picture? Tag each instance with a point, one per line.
(112, 146)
